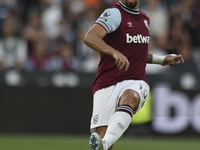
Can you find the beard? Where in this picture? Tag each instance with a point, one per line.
(131, 5)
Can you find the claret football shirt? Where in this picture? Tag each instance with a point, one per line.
(128, 32)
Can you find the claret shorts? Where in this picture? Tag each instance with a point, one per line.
(105, 101)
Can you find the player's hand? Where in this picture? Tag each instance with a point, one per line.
(173, 60)
(121, 61)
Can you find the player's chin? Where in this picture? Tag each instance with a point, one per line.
(132, 5)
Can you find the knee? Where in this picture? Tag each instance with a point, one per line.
(131, 98)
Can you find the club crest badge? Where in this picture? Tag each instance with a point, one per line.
(146, 24)
(95, 119)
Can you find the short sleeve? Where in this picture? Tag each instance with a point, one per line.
(110, 19)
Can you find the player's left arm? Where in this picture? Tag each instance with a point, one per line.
(171, 59)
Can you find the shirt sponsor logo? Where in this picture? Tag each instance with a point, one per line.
(137, 38)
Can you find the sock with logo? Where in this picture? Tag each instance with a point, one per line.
(118, 124)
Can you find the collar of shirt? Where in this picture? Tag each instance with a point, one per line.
(129, 10)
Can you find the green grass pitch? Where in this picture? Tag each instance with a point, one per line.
(67, 142)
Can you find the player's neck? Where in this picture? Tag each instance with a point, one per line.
(125, 3)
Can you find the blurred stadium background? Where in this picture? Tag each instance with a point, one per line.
(46, 74)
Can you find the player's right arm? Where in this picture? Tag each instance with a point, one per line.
(94, 39)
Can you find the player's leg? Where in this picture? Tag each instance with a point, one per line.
(104, 106)
(121, 119)
(130, 98)
(101, 131)
(96, 142)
